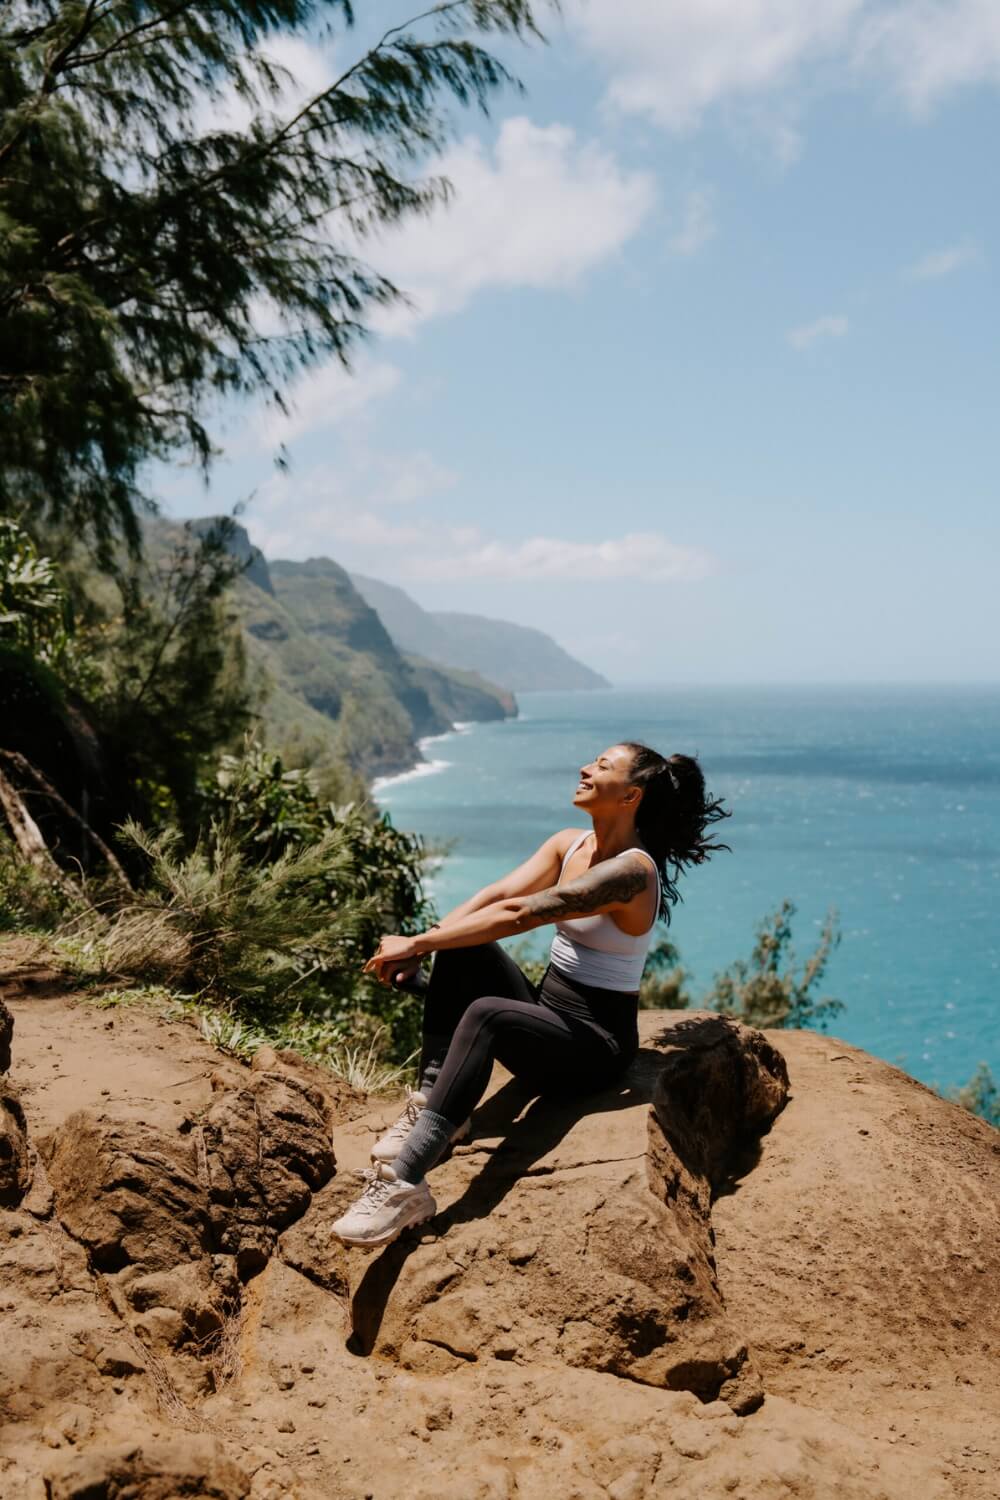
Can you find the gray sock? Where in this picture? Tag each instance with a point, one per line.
(435, 1050)
(426, 1144)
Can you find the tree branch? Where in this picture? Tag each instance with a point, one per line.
(26, 768)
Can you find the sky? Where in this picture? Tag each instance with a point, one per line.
(700, 369)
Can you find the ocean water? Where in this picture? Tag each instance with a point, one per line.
(883, 802)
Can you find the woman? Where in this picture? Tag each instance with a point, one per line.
(578, 1030)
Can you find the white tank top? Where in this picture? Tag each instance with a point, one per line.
(594, 950)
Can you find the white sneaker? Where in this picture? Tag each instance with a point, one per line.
(386, 1207)
(387, 1147)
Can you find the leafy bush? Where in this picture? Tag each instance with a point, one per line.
(663, 983)
(766, 990)
(29, 899)
(32, 603)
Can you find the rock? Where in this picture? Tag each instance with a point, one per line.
(39, 1199)
(268, 1148)
(342, 1101)
(118, 1358)
(129, 1193)
(6, 1036)
(15, 1153)
(154, 1469)
(310, 1247)
(719, 1086)
(848, 1261)
(577, 1320)
(53, 1321)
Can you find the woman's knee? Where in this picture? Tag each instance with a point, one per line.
(482, 1014)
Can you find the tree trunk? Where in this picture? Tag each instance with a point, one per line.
(27, 836)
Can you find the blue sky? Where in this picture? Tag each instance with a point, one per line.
(702, 371)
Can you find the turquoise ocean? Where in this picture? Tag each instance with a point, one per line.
(883, 802)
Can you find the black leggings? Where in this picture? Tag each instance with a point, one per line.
(559, 1036)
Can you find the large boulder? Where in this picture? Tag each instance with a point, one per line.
(862, 1257)
(550, 1247)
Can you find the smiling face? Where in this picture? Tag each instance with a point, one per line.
(605, 785)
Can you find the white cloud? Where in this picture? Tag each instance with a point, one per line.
(538, 209)
(316, 510)
(932, 47)
(830, 326)
(319, 513)
(697, 224)
(325, 397)
(942, 262)
(638, 555)
(401, 478)
(673, 60)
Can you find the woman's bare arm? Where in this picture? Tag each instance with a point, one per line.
(535, 874)
(606, 887)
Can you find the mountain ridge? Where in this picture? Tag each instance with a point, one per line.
(518, 657)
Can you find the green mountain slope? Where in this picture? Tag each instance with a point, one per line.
(335, 686)
(515, 656)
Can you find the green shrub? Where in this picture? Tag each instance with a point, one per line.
(271, 916)
(981, 1095)
(766, 990)
(663, 983)
(32, 601)
(29, 899)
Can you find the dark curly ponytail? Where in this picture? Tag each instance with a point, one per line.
(673, 815)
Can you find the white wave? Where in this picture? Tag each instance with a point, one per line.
(460, 726)
(425, 768)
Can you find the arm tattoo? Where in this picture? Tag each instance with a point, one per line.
(608, 883)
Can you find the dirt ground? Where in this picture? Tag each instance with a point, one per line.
(499, 1354)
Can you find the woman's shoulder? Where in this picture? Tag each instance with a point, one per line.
(566, 838)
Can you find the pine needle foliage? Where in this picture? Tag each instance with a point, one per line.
(139, 239)
(211, 922)
(168, 680)
(270, 917)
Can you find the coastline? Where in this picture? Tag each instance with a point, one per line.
(827, 813)
(423, 767)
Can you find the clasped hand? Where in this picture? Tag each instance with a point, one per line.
(394, 960)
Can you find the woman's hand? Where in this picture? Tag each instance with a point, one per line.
(394, 959)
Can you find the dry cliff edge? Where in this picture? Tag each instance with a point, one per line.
(766, 1266)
